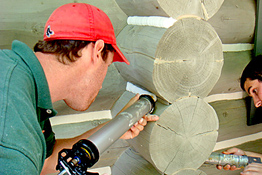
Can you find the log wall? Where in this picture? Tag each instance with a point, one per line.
(232, 20)
(181, 65)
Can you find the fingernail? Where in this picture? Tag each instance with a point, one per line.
(141, 120)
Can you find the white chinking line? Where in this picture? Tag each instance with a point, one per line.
(166, 22)
(155, 21)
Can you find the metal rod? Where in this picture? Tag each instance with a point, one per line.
(114, 129)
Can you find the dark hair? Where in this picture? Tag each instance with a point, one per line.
(252, 71)
(67, 50)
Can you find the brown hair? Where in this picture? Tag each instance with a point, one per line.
(252, 71)
(67, 50)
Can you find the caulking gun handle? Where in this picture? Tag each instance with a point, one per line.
(254, 160)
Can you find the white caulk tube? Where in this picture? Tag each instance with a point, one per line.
(115, 128)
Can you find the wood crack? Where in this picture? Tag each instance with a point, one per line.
(168, 128)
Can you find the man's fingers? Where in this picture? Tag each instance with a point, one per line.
(151, 117)
(226, 167)
(233, 168)
(235, 151)
(137, 128)
(142, 122)
(219, 167)
(135, 131)
(140, 127)
(231, 151)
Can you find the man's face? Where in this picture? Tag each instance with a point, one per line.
(254, 89)
(88, 86)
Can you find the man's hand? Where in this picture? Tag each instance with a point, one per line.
(138, 126)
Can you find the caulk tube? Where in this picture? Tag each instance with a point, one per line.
(115, 128)
(224, 159)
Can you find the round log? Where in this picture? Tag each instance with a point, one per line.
(173, 8)
(182, 138)
(235, 21)
(183, 60)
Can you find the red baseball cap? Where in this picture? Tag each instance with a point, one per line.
(81, 21)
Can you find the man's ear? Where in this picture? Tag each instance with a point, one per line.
(98, 47)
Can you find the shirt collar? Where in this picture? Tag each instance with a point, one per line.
(43, 93)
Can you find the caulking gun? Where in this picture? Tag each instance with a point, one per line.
(231, 159)
(85, 153)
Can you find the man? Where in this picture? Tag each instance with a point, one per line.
(251, 82)
(70, 64)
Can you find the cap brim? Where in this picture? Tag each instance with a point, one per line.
(119, 56)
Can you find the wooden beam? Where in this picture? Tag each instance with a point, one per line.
(235, 21)
(234, 63)
(233, 120)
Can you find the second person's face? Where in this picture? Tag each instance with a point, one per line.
(254, 89)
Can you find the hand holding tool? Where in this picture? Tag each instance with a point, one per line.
(231, 159)
(85, 153)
